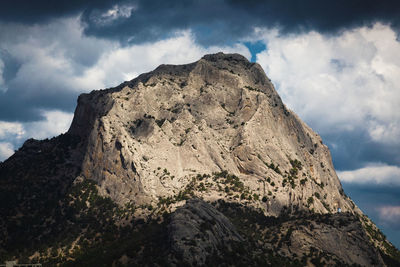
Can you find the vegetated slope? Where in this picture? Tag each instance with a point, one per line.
(197, 164)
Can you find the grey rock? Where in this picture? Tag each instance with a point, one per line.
(197, 230)
(343, 237)
(219, 113)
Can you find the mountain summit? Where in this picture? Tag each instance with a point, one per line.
(197, 164)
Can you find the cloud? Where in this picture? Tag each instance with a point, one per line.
(213, 22)
(6, 150)
(13, 134)
(347, 87)
(53, 63)
(352, 78)
(390, 215)
(43, 64)
(55, 123)
(10, 128)
(113, 14)
(230, 20)
(373, 174)
(125, 63)
(29, 12)
(355, 149)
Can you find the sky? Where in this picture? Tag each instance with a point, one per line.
(335, 63)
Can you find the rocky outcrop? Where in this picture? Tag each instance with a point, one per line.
(341, 235)
(219, 113)
(198, 230)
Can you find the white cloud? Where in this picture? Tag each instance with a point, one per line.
(380, 174)
(13, 134)
(55, 123)
(11, 128)
(390, 211)
(389, 215)
(6, 150)
(114, 13)
(125, 63)
(339, 83)
(51, 56)
(68, 60)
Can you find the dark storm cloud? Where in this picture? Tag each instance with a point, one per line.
(11, 65)
(353, 150)
(321, 15)
(222, 21)
(28, 11)
(23, 104)
(211, 21)
(41, 67)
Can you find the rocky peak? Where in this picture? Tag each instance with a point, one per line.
(147, 138)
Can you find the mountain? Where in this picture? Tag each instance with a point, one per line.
(197, 164)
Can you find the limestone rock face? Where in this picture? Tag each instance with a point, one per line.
(219, 113)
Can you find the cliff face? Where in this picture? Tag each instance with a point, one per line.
(220, 113)
(214, 131)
